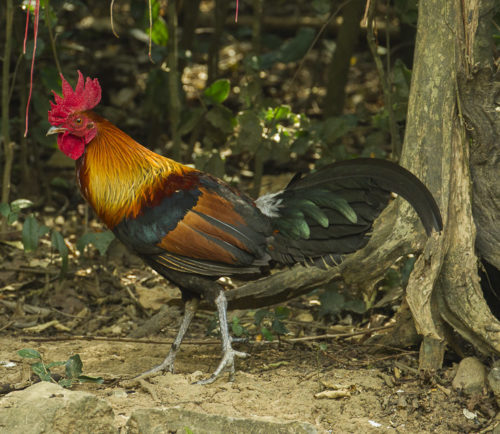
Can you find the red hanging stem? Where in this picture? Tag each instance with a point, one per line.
(35, 36)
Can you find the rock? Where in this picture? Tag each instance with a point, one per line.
(175, 419)
(494, 380)
(47, 407)
(470, 377)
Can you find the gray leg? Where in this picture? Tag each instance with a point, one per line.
(168, 364)
(228, 354)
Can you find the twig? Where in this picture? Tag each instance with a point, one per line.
(384, 81)
(338, 335)
(320, 32)
(173, 78)
(112, 22)
(8, 148)
(34, 270)
(6, 326)
(111, 339)
(51, 38)
(404, 367)
(151, 30)
(34, 310)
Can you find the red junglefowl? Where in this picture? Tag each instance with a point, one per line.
(193, 228)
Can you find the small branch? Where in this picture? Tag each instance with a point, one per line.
(8, 146)
(151, 29)
(384, 80)
(112, 22)
(111, 339)
(51, 38)
(220, 14)
(338, 335)
(173, 80)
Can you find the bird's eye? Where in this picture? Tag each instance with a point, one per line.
(78, 120)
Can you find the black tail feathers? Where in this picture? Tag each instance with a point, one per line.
(328, 213)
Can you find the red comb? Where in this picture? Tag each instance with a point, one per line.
(84, 97)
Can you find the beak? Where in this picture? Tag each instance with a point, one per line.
(55, 130)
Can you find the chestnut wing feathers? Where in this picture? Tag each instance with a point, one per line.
(208, 229)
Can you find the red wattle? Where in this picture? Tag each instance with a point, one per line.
(72, 146)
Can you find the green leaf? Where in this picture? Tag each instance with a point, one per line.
(218, 91)
(332, 302)
(13, 216)
(74, 367)
(279, 327)
(336, 127)
(32, 231)
(278, 113)
(292, 50)
(159, 31)
(406, 270)
(19, 204)
(236, 327)
(4, 209)
(60, 182)
(100, 240)
(28, 353)
(53, 364)
(59, 244)
(40, 369)
(66, 382)
(87, 379)
(260, 315)
(159, 35)
(268, 336)
(356, 306)
(221, 118)
(282, 312)
(189, 119)
(250, 134)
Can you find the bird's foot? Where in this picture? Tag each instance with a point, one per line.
(226, 363)
(166, 366)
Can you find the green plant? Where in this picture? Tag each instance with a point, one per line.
(11, 212)
(33, 231)
(270, 323)
(100, 240)
(238, 329)
(333, 302)
(73, 369)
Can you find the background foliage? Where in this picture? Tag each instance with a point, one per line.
(244, 100)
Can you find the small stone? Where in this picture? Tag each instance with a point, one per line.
(47, 407)
(176, 419)
(332, 394)
(494, 379)
(119, 393)
(470, 377)
(305, 317)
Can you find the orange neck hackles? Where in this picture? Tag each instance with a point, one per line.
(118, 176)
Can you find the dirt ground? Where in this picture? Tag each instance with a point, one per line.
(374, 393)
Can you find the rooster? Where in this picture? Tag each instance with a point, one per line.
(193, 228)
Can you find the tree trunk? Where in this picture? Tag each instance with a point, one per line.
(338, 68)
(453, 92)
(444, 287)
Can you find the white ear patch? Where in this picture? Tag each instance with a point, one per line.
(269, 204)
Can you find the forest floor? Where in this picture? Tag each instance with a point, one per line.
(282, 382)
(337, 385)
